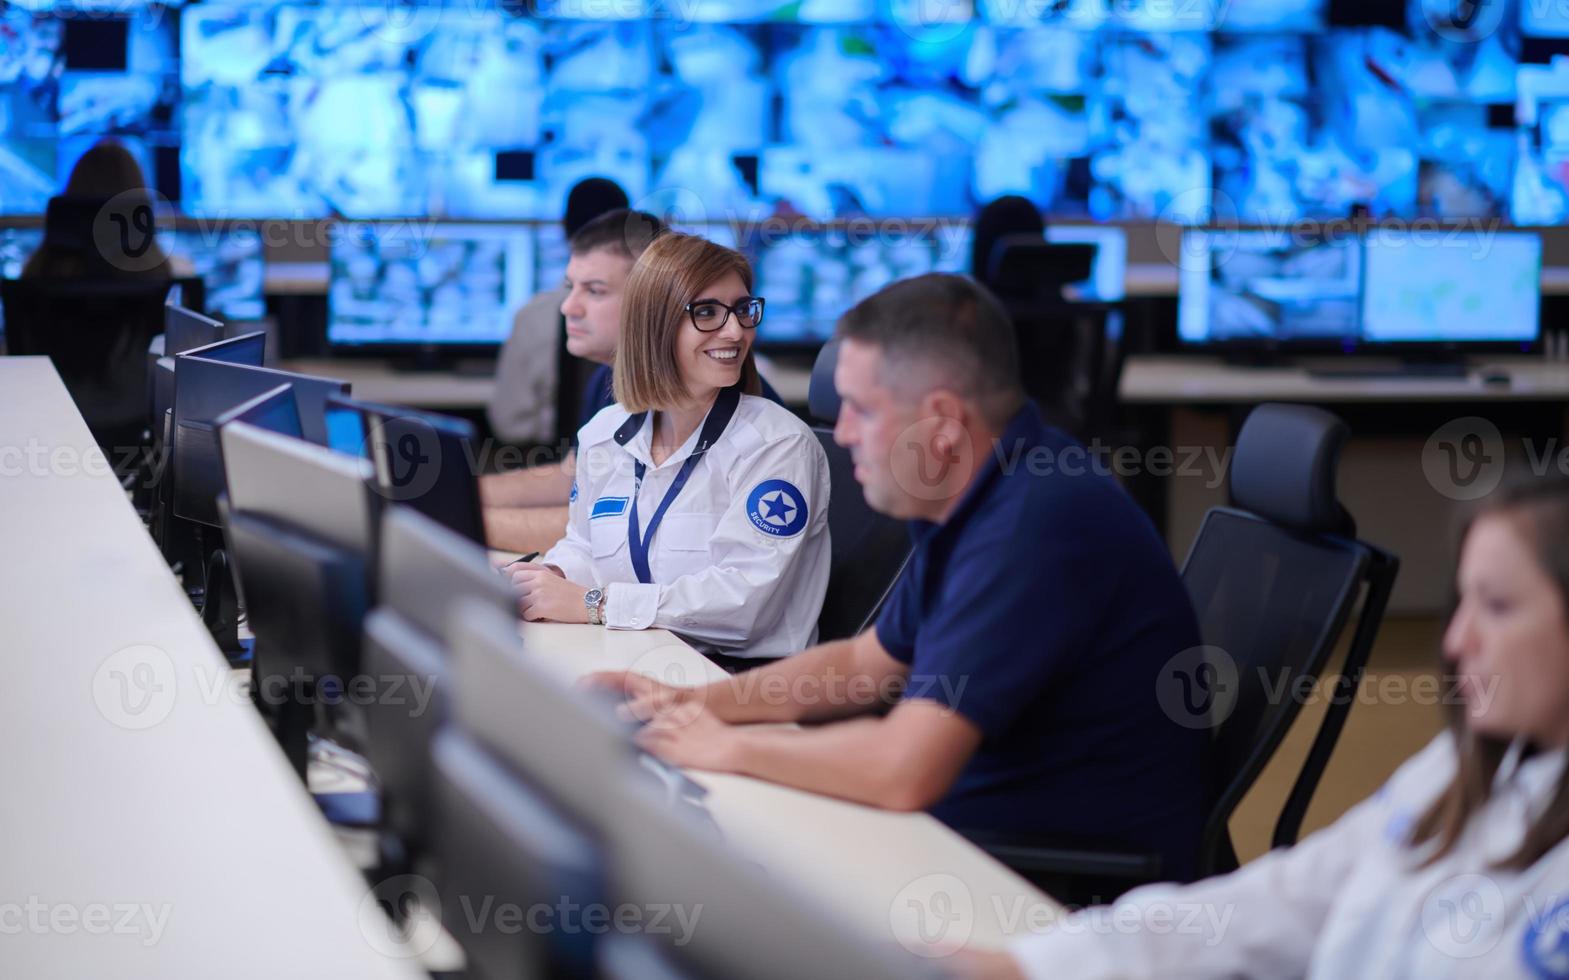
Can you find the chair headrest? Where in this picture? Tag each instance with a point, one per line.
(1024, 267)
(1285, 466)
(822, 399)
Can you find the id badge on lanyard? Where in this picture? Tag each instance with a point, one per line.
(713, 427)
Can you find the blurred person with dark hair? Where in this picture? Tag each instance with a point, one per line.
(102, 224)
(1010, 215)
(523, 409)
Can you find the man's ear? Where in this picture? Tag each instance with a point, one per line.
(944, 404)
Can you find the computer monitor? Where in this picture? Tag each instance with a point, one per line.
(588, 747)
(425, 574)
(1383, 290)
(421, 287)
(1108, 276)
(428, 462)
(346, 427)
(498, 839)
(568, 745)
(753, 924)
(185, 329)
(248, 348)
(206, 388)
(290, 480)
(301, 526)
(275, 411)
(1268, 288)
(811, 277)
(1471, 289)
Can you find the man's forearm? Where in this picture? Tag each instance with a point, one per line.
(851, 760)
(537, 486)
(525, 529)
(823, 683)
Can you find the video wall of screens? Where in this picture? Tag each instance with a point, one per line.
(73, 73)
(228, 261)
(1382, 286)
(402, 284)
(1257, 111)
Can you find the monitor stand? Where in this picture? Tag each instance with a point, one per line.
(221, 609)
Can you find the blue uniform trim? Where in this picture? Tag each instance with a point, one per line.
(608, 507)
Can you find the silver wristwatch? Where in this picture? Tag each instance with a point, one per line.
(594, 600)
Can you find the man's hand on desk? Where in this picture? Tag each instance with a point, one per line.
(644, 696)
(688, 734)
(545, 594)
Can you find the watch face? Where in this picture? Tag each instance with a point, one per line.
(592, 597)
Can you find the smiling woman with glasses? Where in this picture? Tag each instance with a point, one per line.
(699, 507)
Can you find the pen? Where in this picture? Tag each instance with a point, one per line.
(528, 557)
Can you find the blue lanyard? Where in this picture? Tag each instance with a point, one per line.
(713, 427)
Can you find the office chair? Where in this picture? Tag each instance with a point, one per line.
(868, 550)
(1070, 364)
(96, 331)
(1274, 579)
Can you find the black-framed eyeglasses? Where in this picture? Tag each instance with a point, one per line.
(709, 315)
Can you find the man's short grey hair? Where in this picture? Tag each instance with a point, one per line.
(942, 330)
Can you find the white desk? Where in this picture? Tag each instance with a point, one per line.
(864, 864)
(1180, 380)
(149, 825)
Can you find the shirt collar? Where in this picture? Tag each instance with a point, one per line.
(1022, 431)
(636, 436)
(1536, 774)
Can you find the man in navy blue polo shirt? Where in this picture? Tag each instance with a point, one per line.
(1028, 630)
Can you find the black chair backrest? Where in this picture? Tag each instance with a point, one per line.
(1069, 364)
(1273, 580)
(868, 549)
(96, 332)
(1026, 267)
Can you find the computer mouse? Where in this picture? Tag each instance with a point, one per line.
(1495, 378)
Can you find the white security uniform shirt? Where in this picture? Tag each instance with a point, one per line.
(1350, 900)
(739, 563)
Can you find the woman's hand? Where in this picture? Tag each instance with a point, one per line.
(545, 594)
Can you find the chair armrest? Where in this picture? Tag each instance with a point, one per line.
(1037, 855)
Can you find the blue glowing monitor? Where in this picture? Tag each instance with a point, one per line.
(412, 284)
(1456, 287)
(1267, 288)
(275, 410)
